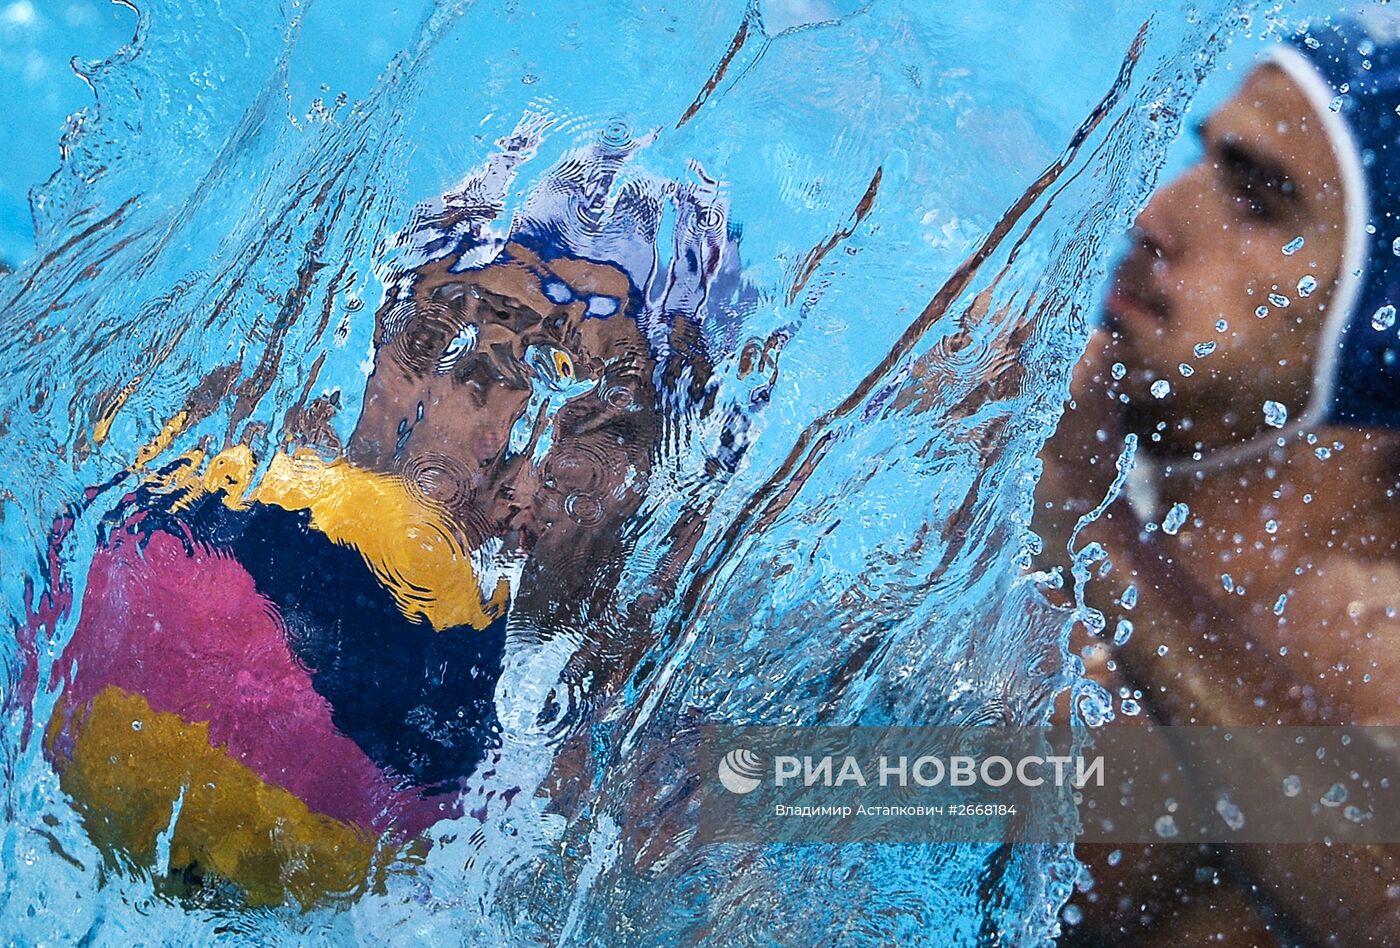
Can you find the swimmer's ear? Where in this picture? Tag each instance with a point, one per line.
(391, 318)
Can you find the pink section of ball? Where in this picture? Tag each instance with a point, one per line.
(192, 635)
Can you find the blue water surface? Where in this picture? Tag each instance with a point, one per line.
(879, 520)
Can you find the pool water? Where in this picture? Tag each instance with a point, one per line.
(894, 218)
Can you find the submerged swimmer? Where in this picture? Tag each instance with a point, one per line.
(277, 682)
(1273, 596)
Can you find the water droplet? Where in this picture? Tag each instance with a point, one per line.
(1278, 606)
(1093, 703)
(1185, 370)
(1275, 414)
(136, 725)
(1306, 286)
(1278, 299)
(1165, 827)
(1293, 246)
(1323, 452)
(1271, 527)
(1261, 312)
(1384, 318)
(1122, 632)
(1119, 370)
(1115, 857)
(1204, 349)
(1229, 813)
(1221, 325)
(1227, 582)
(1161, 388)
(1292, 785)
(1175, 518)
(1335, 105)
(1356, 814)
(1161, 650)
(1335, 796)
(1072, 915)
(1311, 43)
(1395, 244)
(1131, 708)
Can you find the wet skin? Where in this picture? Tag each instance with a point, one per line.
(520, 397)
(1209, 247)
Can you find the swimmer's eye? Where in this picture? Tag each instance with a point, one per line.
(558, 292)
(1265, 190)
(601, 307)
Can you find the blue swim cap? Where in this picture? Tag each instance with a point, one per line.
(1350, 70)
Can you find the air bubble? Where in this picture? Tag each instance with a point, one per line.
(1293, 246)
(1306, 286)
(1336, 795)
(1261, 312)
(1278, 299)
(1161, 388)
(1221, 325)
(1185, 370)
(1230, 813)
(1204, 349)
(1275, 414)
(1119, 370)
(1384, 318)
(1292, 785)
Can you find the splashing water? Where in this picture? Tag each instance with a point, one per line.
(877, 245)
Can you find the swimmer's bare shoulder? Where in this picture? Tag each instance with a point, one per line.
(1341, 635)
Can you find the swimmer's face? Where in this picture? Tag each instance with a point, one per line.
(519, 397)
(1208, 248)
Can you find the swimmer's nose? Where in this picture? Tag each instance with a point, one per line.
(1149, 242)
(1153, 231)
(515, 513)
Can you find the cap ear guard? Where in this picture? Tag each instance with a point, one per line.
(1351, 71)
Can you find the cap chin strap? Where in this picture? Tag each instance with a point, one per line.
(1143, 487)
